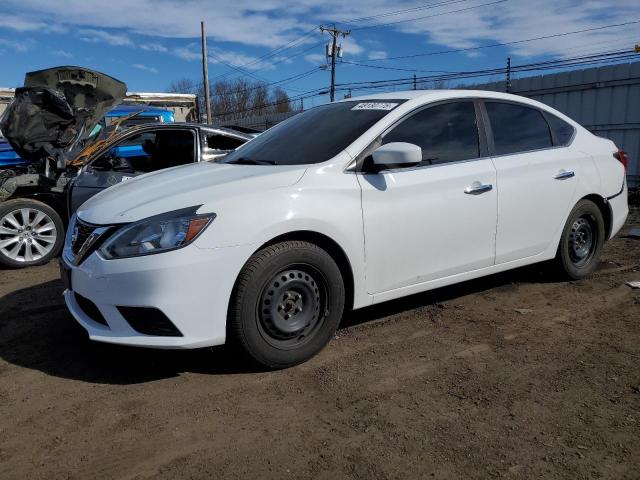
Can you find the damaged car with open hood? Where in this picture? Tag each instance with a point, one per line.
(54, 124)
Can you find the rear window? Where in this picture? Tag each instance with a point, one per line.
(517, 128)
(315, 135)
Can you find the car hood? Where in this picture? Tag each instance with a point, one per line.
(163, 191)
(56, 108)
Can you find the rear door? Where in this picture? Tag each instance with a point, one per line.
(141, 152)
(536, 178)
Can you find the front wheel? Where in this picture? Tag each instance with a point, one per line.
(287, 304)
(582, 241)
(31, 233)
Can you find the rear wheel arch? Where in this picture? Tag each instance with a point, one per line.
(605, 209)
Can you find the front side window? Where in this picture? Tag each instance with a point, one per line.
(149, 151)
(445, 133)
(517, 128)
(313, 136)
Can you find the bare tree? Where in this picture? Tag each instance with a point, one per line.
(281, 101)
(183, 85)
(237, 98)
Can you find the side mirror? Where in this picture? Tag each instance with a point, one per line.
(397, 155)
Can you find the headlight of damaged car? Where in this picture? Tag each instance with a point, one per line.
(158, 234)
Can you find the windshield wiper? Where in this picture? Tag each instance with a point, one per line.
(251, 161)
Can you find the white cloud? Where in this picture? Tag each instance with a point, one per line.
(351, 47)
(96, 36)
(146, 68)
(187, 53)
(272, 23)
(21, 24)
(17, 45)
(377, 55)
(316, 58)
(62, 53)
(153, 47)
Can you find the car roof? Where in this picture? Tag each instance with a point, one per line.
(432, 95)
(211, 128)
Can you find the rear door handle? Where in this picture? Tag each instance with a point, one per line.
(563, 175)
(476, 188)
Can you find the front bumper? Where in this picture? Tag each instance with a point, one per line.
(190, 286)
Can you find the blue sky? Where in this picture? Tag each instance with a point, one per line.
(149, 43)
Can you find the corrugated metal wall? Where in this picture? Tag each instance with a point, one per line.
(606, 100)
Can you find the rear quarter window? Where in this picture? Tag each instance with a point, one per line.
(562, 130)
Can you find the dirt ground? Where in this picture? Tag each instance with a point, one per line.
(514, 376)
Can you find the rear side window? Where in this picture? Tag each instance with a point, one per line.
(446, 133)
(517, 128)
(562, 130)
(223, 142)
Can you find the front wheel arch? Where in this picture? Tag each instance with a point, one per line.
(331, 247)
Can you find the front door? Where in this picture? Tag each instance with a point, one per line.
(437, 219)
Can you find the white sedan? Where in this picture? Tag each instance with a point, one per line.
(340, 207)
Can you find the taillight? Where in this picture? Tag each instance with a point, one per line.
(623, 158)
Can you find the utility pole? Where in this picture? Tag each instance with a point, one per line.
(508, 84)
(334, 32)
(205, 74)
(415, 84)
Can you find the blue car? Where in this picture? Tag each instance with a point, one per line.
(8, 157)
(138, 114)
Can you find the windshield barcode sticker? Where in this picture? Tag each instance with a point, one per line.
(374, 106)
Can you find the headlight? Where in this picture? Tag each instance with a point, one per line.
(158, 234)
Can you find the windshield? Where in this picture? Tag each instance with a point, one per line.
(313, 136)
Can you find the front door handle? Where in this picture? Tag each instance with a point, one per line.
(476, 188)
(563, 175)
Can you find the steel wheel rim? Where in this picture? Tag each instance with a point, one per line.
(292, 307)
(583, 239)
(27, 235)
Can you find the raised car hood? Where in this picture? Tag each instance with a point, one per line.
(56, 108)
(203, 183)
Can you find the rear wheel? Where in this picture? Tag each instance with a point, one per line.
(287, 304)
(31, 233)
(582, 241)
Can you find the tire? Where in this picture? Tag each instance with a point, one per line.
(581, 242)
(287, 303)
(31, 233)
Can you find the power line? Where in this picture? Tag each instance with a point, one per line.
(293, 78)
(381, 67)
(546, 65)
(430, 16)
(427, 6)
(516, 42)
(387, 84)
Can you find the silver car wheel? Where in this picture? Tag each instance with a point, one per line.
(27, 235)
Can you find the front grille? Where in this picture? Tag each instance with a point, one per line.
(149, 321)
(90, 309)
(80, 235)
(86, 239)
